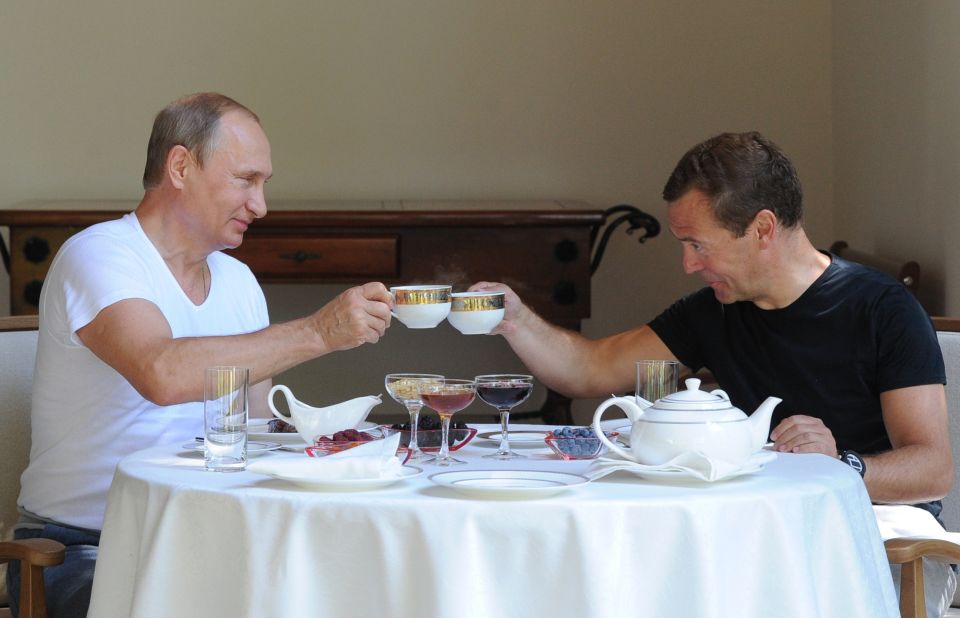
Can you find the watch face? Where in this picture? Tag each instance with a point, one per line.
(854, 461)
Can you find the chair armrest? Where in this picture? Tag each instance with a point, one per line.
(907, 549)
(909, 553)
(33, 555)
(38, 552)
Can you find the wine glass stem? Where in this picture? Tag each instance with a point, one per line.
(444, 453)
(413, 407)
(504, 424)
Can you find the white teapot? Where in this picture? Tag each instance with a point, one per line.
(313, 422)
(689, 420)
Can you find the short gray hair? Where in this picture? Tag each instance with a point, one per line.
(191, 122)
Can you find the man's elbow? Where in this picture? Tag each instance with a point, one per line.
(159, 392)
(944, 482)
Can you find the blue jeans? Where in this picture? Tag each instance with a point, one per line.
(67, 586)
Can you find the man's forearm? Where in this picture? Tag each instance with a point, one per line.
(553, 354)
(908, 475)
(177, 371)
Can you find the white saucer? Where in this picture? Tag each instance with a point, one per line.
(508, 484)
(528, 439)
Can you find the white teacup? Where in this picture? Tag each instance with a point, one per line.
(421, 306)
(475, 313)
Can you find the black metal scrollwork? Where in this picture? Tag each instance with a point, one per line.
(633, 216)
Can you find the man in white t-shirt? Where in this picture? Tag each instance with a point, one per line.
(133, 310)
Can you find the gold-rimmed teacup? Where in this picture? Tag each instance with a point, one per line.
(421, 306)
(476, 313)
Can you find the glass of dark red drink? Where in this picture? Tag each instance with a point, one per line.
(504, 391)
(447, 397)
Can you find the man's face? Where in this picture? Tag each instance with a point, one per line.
(227, 193)
(726, 263)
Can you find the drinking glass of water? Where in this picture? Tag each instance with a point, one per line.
(225, 408)
(656, 379)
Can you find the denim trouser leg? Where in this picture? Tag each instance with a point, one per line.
(67, 586)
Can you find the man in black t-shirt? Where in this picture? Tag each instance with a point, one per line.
(851, 353)
(854, 334)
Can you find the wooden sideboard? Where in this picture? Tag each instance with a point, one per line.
(540, 248)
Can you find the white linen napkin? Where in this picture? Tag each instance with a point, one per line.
(899, 520)
(692, 464)
(376, 459)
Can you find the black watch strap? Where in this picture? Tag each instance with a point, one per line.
(855, 461)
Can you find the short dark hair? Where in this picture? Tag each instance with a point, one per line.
(742, 174)
(191, 122)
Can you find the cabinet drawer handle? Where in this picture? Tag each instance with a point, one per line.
(300, 256)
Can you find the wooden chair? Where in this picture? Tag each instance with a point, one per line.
(910, 552)
(907, 273)
(18, 348)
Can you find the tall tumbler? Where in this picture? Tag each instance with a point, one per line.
(656, 379)
(225, 410)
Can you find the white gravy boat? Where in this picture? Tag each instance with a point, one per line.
(689, 420)
(313, 422)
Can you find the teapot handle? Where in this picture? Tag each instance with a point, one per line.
(620, 402)
(720, 393)
(290, 402)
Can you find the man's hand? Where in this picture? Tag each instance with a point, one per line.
(513, 307)
(803, 434)
(357, 316)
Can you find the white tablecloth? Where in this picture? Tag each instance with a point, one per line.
(798, 538)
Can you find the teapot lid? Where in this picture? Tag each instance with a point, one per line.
(694, 406)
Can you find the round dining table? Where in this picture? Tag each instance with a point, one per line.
(795, 538)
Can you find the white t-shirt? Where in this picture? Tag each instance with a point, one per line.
(85, 415)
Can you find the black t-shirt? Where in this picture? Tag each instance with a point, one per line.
(852, 335)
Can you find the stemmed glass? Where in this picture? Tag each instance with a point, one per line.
(405, 389)
(504, 391)
(447, 396)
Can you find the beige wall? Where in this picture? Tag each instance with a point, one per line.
(897, 139)
(591, 99)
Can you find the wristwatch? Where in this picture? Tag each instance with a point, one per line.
(855, 461)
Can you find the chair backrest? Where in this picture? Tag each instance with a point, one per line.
(18, 351)
(907, 273)
(948, 333)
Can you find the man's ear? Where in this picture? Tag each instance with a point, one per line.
(765, 227)
(179, 162)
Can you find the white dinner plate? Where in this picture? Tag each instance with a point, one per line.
(257, 430)
(407, 472)
(253, 447)
(517, 438)
(512, 484)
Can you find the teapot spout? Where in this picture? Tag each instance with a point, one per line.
(760, 421)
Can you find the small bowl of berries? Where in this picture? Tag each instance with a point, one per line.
(350, 438)
(429, 435)
(571, 443)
